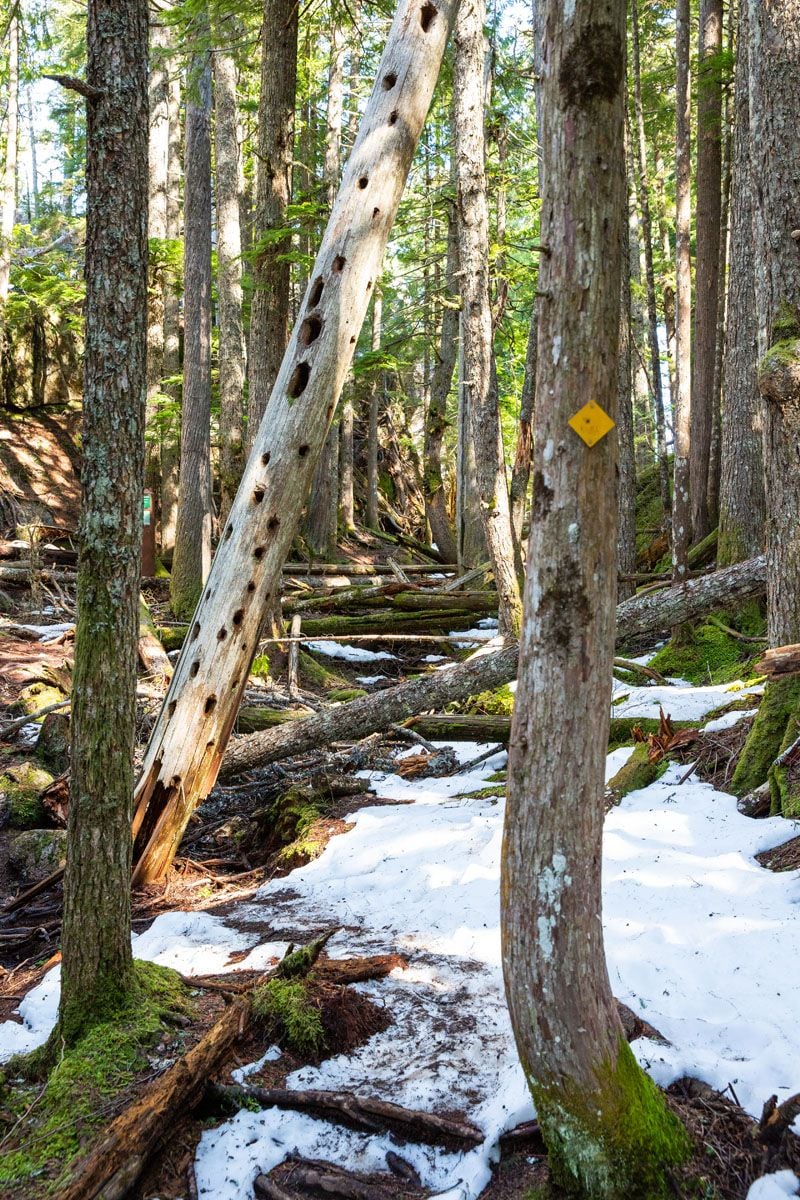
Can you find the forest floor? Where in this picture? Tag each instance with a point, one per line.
(700, 938)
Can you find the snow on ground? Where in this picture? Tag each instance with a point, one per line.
(351, 653)
(699, 939)
(679, 700)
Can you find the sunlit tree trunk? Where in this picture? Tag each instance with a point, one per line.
(269, 321)
(376, 386)
(607, 1130)
(682, 401)
(321, 522)
(741, 515)
(346, 445)
(158, 160)
(8, 197)
(476, 324)
(228, 183)
(192, 558)
(707, 223)
(97, 969)
(170, 423)
(195, 722)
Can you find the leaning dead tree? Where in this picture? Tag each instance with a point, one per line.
(193, 727)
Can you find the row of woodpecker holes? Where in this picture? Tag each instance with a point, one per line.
(309, 332)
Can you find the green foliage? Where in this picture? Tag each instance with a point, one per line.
(282, 1005)
(773, 729)
(47, 1126)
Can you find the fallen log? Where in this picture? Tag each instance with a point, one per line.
(781, 661)
(152, 655)
(635, 617)
(362, 1112)
(463, 727)
(113, 1166)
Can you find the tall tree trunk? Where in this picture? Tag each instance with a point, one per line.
(346, 445)
(436, 416)
(321, 523)
(626, 528)
(192, 557)
(170, 427)
(650, 279)
(715, 457)
(34, 163)
(682, 401)
(774, 116)
(742, 505)
(193, 727)
(521, 471)
(97, 968)
(708, 220)
(158, 161)
(476, 328)
(607, 1130)
(228, 181)
(376, 387)
(269, 321)
(8, 197)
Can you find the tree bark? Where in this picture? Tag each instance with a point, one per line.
(436, 416)
(682, 401)
(774, 116)
(97, 968)
(269, 321)
(192, 557)
(170, 427)
(346, 446)
(229, 183)
(742, 504)
(8, 197)
(521, 471)
(321, 517)
(373, 414)
(607, 1129)
(158, 158)
(476, 324)
(650, 279)
(707, 239)
(193, 727)
(626, 504)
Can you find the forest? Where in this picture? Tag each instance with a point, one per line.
(399, 599)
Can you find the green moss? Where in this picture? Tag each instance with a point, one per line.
(37, 696)
(638, 772)
(342, 695)
(20, 790)
(284, 1007)
(486, 793)
(767, 736)
(617, 1142)
(497, 702)
(81, 1088)
(706, 654)
(649, 509)
(172, 637)
(315, 675)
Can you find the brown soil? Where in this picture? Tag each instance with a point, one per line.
(39, 469)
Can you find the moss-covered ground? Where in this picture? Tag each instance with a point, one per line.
(707, 653)
(45, 1122)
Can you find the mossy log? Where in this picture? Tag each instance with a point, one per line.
(637, 772)
(113, 1166)
(254, 719)
(466, 727)
(152, 655)
(430, 621)
(773, 730)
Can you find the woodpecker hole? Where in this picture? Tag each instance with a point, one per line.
(338, 264)
(389, 81)
(363, 181)
(427, 16)
(310, 330)
(303, 450)
(265, 459)
(273, 523)
(258, 553)
(195, 668)
(210, 704)
(315, 295)
(251, 587)
(297, 384)
(258, 495)
(222, 634)
(393, 117)
(195, 632)
(238, 617)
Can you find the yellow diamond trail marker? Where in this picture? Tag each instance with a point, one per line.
(591, 423)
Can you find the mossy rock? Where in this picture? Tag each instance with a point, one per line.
(290, 820)
(773, 730)
(52, 745)
(57, 1120)
(284, 1008)
(20, 795)
(37, 696)
(36, 853)
(638, 772)
(706, 655)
